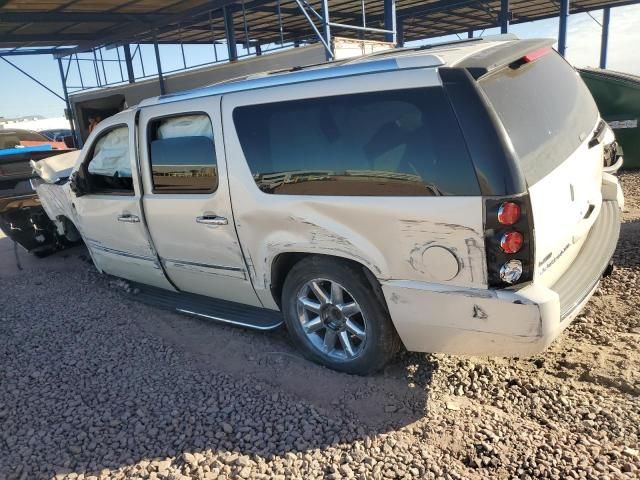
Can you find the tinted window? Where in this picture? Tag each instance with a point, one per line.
(110, 164)
(182, 154)
(394, 143)
(545, 108)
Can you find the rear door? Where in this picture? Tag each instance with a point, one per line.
(551, 120)
(187, 202)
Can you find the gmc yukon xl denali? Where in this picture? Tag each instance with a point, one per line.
(448, 199)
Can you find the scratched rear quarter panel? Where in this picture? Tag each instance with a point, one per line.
(388, 235)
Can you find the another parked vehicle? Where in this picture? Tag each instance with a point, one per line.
(57, 134)
(450, 199)
(21, 216)
(618, 98)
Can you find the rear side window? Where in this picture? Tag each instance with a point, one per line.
(182, 155)
(392, 143)
(545, 108)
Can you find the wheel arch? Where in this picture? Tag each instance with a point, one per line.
(284, 262)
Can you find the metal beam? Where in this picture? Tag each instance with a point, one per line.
(69, 112)
(400, 33)
(326, 24)
(562, 31)
(30, 51)
(320, 36)
(390, 21)
(82, 17)
(159, 65)
(230, 34)
(604, 42)
(122, 33)
(23, 39)
(504, 16)
(129, 63)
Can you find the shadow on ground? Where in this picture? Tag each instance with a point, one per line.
(92, 379)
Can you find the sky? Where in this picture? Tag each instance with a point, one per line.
(20, 96)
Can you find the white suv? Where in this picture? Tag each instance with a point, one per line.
(450, 199)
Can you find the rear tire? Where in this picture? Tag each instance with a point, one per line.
(336, 317)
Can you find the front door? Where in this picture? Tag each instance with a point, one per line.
(109, 215)
(186, 200)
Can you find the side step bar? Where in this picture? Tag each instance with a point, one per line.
(204, 307)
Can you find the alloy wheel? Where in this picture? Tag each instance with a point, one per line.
(331, 319)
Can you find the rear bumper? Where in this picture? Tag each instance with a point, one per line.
(437, 318)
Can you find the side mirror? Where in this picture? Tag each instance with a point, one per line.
(78, 184)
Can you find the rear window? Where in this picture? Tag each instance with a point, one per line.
(545, 108)
(392, 143)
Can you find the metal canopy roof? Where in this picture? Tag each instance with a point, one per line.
(84, 24)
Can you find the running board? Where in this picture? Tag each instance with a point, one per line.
(205, 307)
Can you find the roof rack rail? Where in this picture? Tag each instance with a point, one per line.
(302, 76)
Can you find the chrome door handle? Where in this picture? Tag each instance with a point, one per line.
(212, 220)
(128, 218)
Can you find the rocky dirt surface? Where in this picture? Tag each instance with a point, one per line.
(94, 385)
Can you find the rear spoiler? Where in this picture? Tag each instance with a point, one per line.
(487, 61)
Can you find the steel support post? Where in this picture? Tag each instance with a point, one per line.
(230, 34)
(129, 63)
(400, 33)
(326, 27)
(390, 22)
(159, 64)
(604, 42)
(504, 16)
(562, 33)
(63, 79)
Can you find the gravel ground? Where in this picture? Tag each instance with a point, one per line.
(94, 385)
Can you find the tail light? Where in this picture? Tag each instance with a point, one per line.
(508, 232)
(508, 213)
(536, 54)
(511, 242)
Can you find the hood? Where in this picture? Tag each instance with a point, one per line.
(56, 168)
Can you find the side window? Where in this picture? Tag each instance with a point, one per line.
(182, 154)
(391, 143)
(109, 170)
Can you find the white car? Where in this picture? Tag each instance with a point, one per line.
(448, 199)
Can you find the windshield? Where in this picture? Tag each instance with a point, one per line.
(545, 108)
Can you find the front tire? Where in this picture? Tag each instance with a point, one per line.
(336, 317)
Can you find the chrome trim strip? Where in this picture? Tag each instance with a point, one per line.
(225, 320)
(113, 251)
(204, 265)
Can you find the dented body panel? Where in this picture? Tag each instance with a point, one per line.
(393, 237)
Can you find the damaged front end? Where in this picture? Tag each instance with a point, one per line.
(22, 217)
